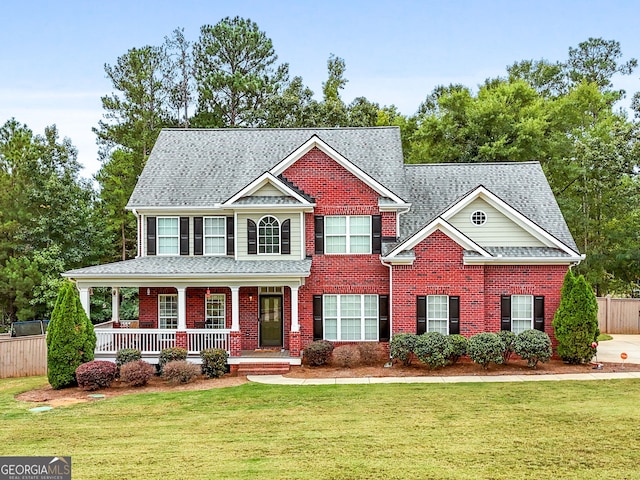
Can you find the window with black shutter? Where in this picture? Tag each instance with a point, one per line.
(198, 235)
(285, 237)
(538, 313)
(230, 236)
(421, 317)
(184, 235)
(383, 321)
(454, 315)
(317, 317)
(319, 234)
(151, 235)
(252, 237)
(505, 313)
(376, 234)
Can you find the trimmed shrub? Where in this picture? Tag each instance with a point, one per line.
(126, 355)
(318, 353)
(457, 348)
(485, 348)
(402, 347)
(576, 320)
(346, 356)
(96, 374)
(432, 349)
(508, 338)
(171, 355)
(136, 372)
(371, 353)
(214, 362)
(180, 371)
(533, 346)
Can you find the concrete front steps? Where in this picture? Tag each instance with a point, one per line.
(263, 368)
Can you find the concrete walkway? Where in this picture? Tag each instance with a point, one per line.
(608, 351)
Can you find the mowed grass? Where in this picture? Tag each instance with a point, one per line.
(533, 430)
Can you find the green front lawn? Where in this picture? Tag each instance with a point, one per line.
(533, 430)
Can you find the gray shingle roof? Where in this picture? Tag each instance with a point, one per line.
(194, 266)
(202, 167)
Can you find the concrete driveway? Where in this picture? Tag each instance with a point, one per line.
(609, 351)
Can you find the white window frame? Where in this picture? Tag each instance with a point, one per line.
(517, 316)
(348, 235)
(164, 320)
(223, 236)
(215, 321)
(477, 215)
(432, 313)
(340, 316)
(160, 237)
(274, 246)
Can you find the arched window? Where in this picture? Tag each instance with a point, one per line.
(269, 235)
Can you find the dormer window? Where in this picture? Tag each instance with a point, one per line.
(478, 218)
(269, 236)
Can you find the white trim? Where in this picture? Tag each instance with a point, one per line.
(162, 296)
(224, 311)
(261, 181)
(279, 227)
(524, 260)
(316, 142)
(204, 236)
(483, 215)
(177, 236)
(348, 235)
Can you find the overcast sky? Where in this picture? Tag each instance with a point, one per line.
(396, 52)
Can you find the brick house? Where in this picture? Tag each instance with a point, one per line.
(261, 240)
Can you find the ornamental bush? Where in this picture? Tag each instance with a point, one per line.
(485, 348)
(457, 348)
(371, 353)
(96, 374)
(432, 349)
(137, 373)
(214, 362)
(576, 320)
(318, 353)
(402, 347)
(180, 371)
(508, 338)
(533, 346)
(71, 340)
(126, 355)
(346, 356)
(170, 355)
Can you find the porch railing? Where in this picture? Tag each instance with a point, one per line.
(152, 341)
(201, 339)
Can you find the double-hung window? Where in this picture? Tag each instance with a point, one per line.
(521, 313)
(215, 311)
(215, 236)
(350, 317)
(348, 234)
(167, 311)
(438, 314)
(269, 236)
(168, 236)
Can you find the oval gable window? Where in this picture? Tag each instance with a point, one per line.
(478, 217)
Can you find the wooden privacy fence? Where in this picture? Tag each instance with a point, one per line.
(619, 315)
(23, 356)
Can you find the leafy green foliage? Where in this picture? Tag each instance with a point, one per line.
(457, 348)
(432, 349)
(71, 339)
(576, 320)
(137, 373)
(171, 354)
(318, 353)
(485, 348)
(180, 371)
(402, 347)
(533, 346)
(214, 362)
(508, 339)
(96, 374)
(126, 355)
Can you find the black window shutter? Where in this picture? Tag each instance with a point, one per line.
(319, 234)
(383, 321)
(197, 235)
(505, 312)
(454, 315)
(184, 235)
(538, 313)
(376, 234)
(317, 317)
(252, 237)
(230, 236)
(421, 323)
(151, 235)
(285, 237)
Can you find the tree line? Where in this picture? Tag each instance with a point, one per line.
(563, 113)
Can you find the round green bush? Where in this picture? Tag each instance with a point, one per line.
(457, 348)
(508, 338)
(402, 346)
(318, 353)
(96, 374)
(533, 346)
(214, 362)
(137, 373)
(126, 355)
(171, 354)
(485, 348)
(432, 349)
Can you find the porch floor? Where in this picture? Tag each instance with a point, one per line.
(266, 353)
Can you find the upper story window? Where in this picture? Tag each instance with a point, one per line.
(478, 218)
(168, 236)
(215, 236)
(348, 234)
(269, 235)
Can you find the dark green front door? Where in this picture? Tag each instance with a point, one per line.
(270, 321)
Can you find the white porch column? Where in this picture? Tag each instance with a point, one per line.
(85, 300)
(235, 309)
(182, 308)
(295, 323)
(115, 304)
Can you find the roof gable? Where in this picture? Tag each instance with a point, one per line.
(262, 189)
